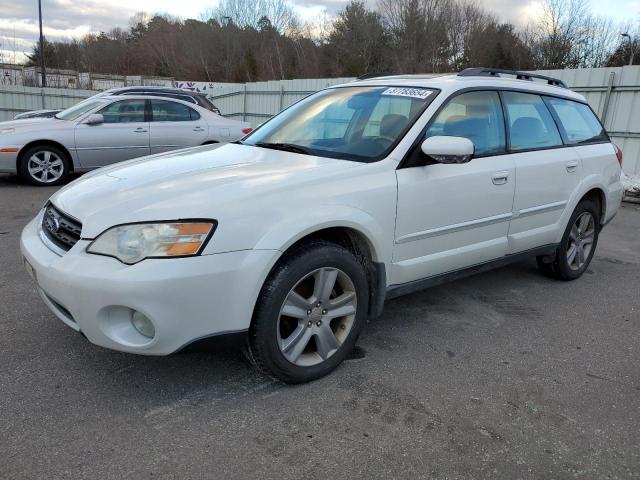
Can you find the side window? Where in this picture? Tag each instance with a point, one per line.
(476, 116)
(124, 111)
(168, 111)
(579, 123)
(530, 122)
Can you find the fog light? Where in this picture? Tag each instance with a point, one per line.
(143, 325)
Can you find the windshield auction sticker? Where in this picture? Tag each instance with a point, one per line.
(408, 92)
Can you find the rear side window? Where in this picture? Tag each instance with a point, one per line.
(476, 116)
(167, 111)
(579, 123)
(530, 122)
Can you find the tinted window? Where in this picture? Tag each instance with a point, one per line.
(530, 123)
(125, 111)
(476, 116)
(578, 121)
(166, 111)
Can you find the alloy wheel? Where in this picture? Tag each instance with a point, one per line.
(316, 316)
(581, 239)
(45, 166)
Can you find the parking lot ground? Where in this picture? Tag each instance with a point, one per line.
(505, 374)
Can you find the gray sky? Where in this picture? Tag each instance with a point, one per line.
(65, 19)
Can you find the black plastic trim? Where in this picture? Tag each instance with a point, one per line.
(398, 290)
(494, 72)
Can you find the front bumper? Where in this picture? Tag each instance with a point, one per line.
(186, 298)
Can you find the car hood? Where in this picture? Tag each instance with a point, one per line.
(201, 182)
(32, 123)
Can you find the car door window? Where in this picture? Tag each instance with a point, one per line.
(168, 111)
(476, 116)
(531, 125)
(578, 121)
(124, 111)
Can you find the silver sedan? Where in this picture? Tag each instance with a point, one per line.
(104, 130)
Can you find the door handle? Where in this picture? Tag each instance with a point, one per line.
(198, 129)
(571, 166)
(140, 130)
(500, 178)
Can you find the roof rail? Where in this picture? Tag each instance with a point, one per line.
(374, 75)
(496, 72)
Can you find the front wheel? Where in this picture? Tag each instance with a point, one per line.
(578, 244)
(44, 165)
(310, 313)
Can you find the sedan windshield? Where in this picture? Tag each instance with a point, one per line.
(80, 109)
(353, 123)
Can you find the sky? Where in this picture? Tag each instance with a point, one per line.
(64, 19)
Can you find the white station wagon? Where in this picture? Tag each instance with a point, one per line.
(295, 235)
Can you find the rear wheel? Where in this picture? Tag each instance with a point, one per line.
(578, 245)
(44, 165)
(310, 313)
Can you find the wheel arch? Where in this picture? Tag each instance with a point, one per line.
(51, 143)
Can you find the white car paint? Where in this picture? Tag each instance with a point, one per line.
(417, 222)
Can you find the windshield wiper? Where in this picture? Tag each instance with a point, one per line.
(287, 147)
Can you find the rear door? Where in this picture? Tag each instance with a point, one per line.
(123, 135)
(175, 125)
(547, 171)
(452, 216)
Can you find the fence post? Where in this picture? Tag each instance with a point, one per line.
(244, 103)
(281, 98)
(607, 97)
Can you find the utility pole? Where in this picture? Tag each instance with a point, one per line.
(631, 45)
(42, 71)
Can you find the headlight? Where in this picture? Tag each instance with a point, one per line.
(7, 130)
(133, 243)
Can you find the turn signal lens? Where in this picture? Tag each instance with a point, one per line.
(133, 243)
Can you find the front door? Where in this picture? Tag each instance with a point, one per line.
(452, 216)
(123, 135)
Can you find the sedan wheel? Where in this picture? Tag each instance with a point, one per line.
(44, 165)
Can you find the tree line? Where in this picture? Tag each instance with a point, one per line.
(254, 40)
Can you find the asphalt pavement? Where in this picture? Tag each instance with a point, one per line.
(503, 375)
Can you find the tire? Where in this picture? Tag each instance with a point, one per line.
(294, 311)
(44, 165)
(578, 244)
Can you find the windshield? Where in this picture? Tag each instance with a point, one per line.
(80, 109)
(353, 123)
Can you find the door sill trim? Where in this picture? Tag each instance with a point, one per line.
(400, 289)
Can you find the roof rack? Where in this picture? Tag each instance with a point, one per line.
(496, 72)
(374, 75)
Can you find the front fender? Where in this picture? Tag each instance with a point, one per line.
(292, 228)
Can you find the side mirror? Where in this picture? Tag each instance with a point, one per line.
(445, 149)
(94, 119)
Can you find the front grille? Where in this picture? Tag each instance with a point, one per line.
(61, 229)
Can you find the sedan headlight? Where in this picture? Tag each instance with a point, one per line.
(7, 130)
(135, 242)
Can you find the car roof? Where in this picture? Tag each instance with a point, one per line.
(153, 89)
(151, 97)
(451, 83)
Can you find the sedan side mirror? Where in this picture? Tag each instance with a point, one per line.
(94, 119)
(445, 149)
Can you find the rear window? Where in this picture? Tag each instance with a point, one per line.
(579, 123)
(531, 125)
